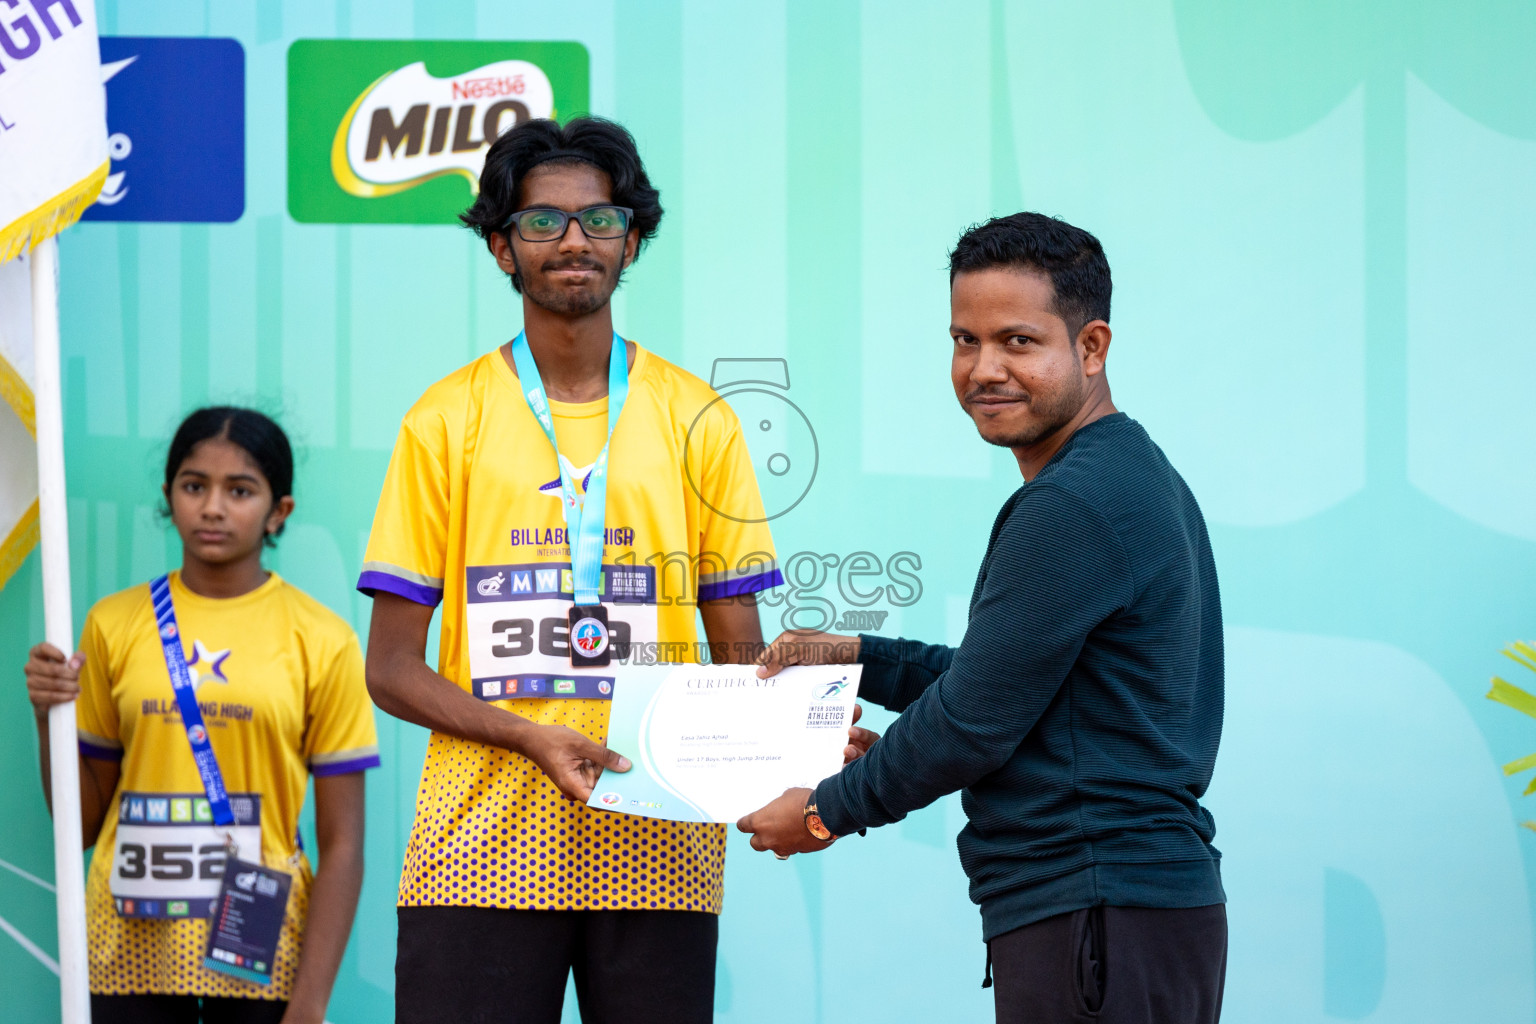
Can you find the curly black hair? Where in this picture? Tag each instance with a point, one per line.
(1071, 257)
(604, 144)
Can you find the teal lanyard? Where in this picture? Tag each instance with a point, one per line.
(583, 515)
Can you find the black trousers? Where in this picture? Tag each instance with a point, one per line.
(153, 1009)
(482, 965)
(1113, 965)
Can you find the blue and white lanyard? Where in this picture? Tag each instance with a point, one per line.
(186, 699)
(583, 515)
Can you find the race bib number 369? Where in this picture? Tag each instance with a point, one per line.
(169, 858)
(518, 625)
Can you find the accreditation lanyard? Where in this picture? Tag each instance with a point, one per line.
(584, 516)
(186, 700)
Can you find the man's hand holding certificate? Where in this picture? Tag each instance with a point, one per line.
(714, 742)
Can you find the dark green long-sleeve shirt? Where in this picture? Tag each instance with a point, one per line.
(1080, 715)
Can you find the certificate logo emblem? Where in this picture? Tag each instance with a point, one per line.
(604, 687)
(590, 636)
(829, 691)
(611, 799)
(168, 632)
(197, 734)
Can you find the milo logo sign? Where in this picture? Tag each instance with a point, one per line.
(411, 126)
(396, 132)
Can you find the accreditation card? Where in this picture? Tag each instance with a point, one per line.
(248, 921)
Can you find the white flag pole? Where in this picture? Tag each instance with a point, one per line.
(58, 627)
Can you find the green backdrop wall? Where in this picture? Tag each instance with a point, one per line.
(1320, 221)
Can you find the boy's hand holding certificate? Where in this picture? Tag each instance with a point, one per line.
(714, 742)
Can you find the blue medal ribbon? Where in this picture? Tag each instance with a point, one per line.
(186, 699)
(584, 516)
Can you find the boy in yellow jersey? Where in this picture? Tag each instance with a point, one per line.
(549, 558)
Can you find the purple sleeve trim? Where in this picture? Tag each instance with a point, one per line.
(360, 764)
(741, 585)
(96, 753)
(370, 582)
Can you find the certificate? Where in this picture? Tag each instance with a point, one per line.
(715, 742)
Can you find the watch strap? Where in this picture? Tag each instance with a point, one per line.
(815, 826)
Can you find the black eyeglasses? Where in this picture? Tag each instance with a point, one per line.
(542, 224)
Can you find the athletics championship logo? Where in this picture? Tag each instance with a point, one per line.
(397, 131)
(590, 636)
(830, 691)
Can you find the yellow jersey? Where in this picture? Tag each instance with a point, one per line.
(280, 686)
(471, 516)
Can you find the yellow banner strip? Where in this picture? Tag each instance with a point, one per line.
(13, 388)
(52, 216)
(22, 539)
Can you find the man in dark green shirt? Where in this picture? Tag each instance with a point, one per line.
(1079, 717)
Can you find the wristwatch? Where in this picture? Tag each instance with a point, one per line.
(814, 825)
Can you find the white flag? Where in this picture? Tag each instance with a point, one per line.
(53, 120)
(53, 160)
(18, 450)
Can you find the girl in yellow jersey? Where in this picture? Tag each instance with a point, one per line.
(279, 684)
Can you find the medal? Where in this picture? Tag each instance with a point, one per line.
(589, 635)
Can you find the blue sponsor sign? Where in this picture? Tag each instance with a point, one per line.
(176, 124)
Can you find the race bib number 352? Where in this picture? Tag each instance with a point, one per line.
(169, 857)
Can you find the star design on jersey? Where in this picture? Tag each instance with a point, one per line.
(213, 660)
(582, 473)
